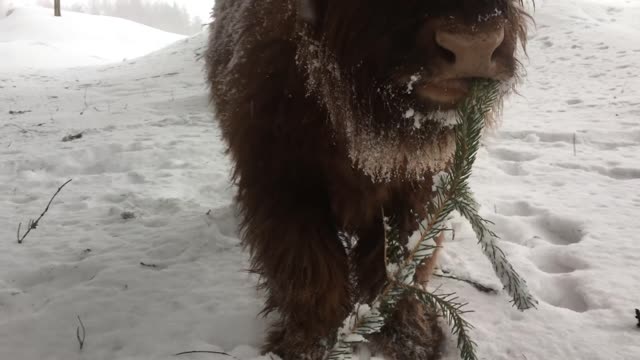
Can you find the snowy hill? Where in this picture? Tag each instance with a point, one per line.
(142, 246)
(33, 37)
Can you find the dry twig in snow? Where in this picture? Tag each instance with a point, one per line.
(34, 224)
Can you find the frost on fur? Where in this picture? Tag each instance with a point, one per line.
(452, 193)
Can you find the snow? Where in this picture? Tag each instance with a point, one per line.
(34, 38)
(559, 178)
(412, 81)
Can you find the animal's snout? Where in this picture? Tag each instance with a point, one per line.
(470, 53)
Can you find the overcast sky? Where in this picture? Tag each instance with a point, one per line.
(201, 8)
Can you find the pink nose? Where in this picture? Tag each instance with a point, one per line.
(471, 54)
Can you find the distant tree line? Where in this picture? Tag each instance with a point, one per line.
(160, 15)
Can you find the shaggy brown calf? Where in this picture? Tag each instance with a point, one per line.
(334, 110)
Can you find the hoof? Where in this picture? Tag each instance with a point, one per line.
(289, 344)
(412, 333)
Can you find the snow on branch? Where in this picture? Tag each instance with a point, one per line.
(452, 193)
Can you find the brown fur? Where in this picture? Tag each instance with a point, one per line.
(306, 108)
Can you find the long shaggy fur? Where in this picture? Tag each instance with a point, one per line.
(313, 101)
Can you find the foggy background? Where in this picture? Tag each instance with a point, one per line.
(184, 17)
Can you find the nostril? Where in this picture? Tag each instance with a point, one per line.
(445, 46)
(446, 54)
(472, 53)
(500, 49)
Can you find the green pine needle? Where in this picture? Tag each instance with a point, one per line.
(452, 193)
(452, 310)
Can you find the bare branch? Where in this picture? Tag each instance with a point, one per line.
(34, 224)
(475, 284)
(204, 352)
(81, 333)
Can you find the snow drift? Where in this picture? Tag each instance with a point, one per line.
(34, 38)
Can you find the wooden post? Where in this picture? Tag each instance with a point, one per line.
(56, 8)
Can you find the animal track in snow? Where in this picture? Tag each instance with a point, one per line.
(559, 286)
(513, 169)
(537, 223)
(552, 260)
(574, 101)
(623, 173)
(24, 199)
(564, 291)
(535, 136)
(518, 208)
(57, 276)
(560, 230)
(545, 42)
(618, 173)
(552, 228)
(511, 155)
(613, 10)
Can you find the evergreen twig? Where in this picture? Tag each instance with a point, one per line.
(452, 193)
(452, 310)
(472, 114)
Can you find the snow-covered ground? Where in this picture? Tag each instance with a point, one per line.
(33, 38)
(151, 153)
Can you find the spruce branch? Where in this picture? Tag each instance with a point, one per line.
(471, 115)
(513, 283)
(452, 310)
(452, 192)
(364, 320)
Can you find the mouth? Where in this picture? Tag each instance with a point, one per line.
(447, 93)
